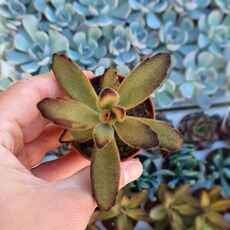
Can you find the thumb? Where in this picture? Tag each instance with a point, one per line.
(80, 184)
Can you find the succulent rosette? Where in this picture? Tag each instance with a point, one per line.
(105, 118)
(199, 129)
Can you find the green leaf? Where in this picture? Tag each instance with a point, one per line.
(124, 223)
(120, 113)
(136, 133)
(105, 172)
(137, 214)
(186, 210)
(109, 214)
(78, 136)
(143, 80)
(102, 135)
(158, 212)
(214, 193)
(199, 223)
(73, 80)
(108, 98)
(218, 220)
(68, 113)
(170, 138)
(204, 200)
(177, 222)
(110, 79)
(137, 199)
(221, 205)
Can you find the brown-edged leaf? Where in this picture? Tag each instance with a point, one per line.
(78, 136)
(220, 205)
(218, 220)
(107, 98)
(215, 193)
(170, 138)
(120, 112)
(105, 172)
(73, 80)
(137, 199)
(136, 133)
(158, 212)
(110, 79)
(68, 113)
(102, 135)
(143, 80)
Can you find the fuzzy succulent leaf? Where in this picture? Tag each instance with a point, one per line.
(102, 135)
(136, 133)
(137, 199)
(110, 79)
(124, 223)
(78, 136)
(169, 138)
(199, 223)
(214, 194)
(120, 113)
(221, 205)
(106, 215)
(143, 80)
(218, 220)
(73, 80)
(68, 113)
(108, 98)
(105, 171)
(204, 200)
(158, 212)
(137, 214)
(186, 209)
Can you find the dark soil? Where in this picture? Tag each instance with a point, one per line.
(142, 110)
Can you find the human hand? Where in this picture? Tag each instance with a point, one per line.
(55, 194)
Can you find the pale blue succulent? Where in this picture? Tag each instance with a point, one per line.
(59, 13)
(224, 5)
(177, 33)
(143, 40)
(33, 49)
(85, 49)
(193, 8)
(120, 47)
(102, 12)
(214, 32)
(201, 77)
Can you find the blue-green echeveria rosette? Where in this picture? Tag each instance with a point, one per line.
(224, 5)
(214, 32)
(33, 48)
(59, 14)
(194, 8)
(86, 48)
(201, 77)
(142, 39)
(102, 12)
(151, 10)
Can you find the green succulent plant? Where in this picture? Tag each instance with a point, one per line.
(212, 208)
(88, 116)
(126, 213)
(175, 209)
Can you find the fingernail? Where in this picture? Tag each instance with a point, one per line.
(132, 170)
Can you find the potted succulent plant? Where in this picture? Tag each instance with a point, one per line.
(110, 119)
(218, 169)
(212, 208)
(184, 167)
(200, 129)
(175, 210)
(126, 213)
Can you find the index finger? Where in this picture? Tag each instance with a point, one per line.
(18, 103)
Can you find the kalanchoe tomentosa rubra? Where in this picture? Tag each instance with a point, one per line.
(105, 117)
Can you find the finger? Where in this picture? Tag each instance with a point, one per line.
(80, 184)
(18, 103)
(61, 168)
(45, 142)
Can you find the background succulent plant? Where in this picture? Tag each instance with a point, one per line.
(184, 167)
(199, 129)
(218, 169)
(88, 116)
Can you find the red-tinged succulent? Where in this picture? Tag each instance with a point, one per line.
(105, 117)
